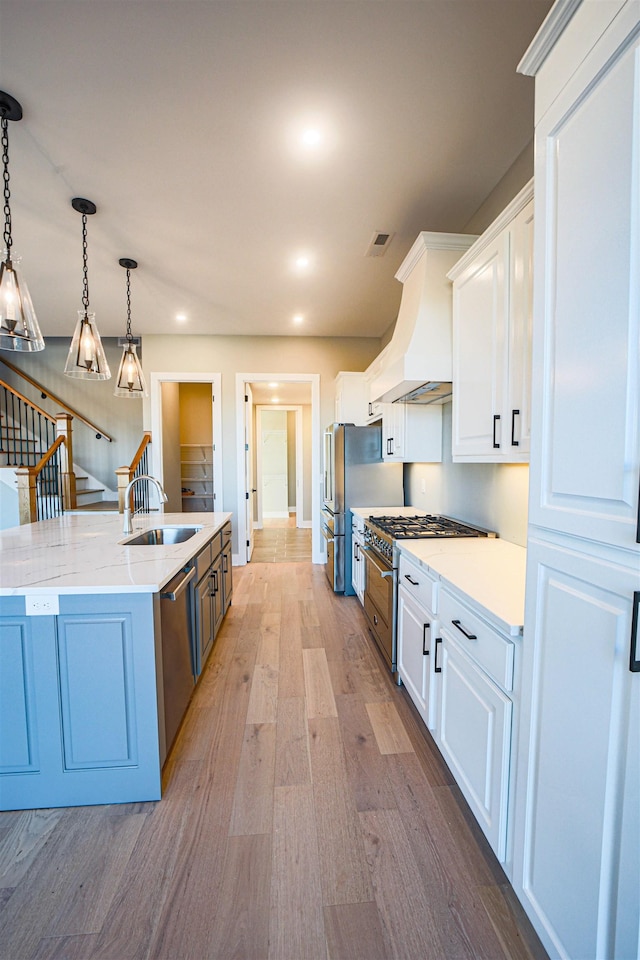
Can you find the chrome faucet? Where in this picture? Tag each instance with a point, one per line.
(128, 516)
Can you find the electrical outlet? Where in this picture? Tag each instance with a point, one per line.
(41, 605)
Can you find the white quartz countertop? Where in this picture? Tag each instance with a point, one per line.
(84, 554)
(490, 572)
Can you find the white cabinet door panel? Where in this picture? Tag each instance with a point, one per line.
(586, 355)
(480, 311)
(474, 736)
(414, 651)
(583, 755)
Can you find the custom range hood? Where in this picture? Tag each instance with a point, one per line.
(416, 366)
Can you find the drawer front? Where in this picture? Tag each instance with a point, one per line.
(203, 561)
(493, 652)
(422, 586)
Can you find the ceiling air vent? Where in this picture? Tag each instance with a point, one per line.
(379, 244)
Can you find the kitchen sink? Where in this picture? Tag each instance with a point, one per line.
(162, 535)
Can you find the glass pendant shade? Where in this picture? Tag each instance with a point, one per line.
(130, 382)
(19, 328)
(86, 359)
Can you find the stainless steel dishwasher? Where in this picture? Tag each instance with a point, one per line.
(177, 661)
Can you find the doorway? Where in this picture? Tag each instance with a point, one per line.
(279, 465)
(277, 392)
(186, 450)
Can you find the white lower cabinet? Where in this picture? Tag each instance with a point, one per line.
(474, 736)
(459, 672)
(416, 628)
(578, 840)
(474, 731)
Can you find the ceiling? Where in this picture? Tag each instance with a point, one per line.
(182, 122)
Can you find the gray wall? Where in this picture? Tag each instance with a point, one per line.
(228, 355)
(121, 418)
(491, 495)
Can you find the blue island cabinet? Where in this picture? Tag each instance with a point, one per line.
(79, 702)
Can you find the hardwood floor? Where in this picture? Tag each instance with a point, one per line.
(305, 814)
(279, 541)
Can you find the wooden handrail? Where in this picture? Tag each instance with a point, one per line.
(27, 483)
(34, 383)
(125, 474)
(144, 443)
(29, 403)
(39, 466)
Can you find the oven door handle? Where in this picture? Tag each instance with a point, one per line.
(383, 573)
(327, 538)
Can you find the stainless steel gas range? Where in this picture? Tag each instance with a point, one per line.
(381, 535)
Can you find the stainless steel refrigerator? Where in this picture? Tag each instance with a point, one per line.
(354, 476)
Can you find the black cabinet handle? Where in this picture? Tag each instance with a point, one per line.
(425, 652)
(375, 620)
(370, 409)
(496, 417)
(389, 446)
(634, 653)
(514, 414)
(436, 668)
(214, 574)
(416, 583)
(469, 636)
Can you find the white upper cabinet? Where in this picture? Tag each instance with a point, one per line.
(492, 311)
(352, 398)
(411, 434)
(584, 476)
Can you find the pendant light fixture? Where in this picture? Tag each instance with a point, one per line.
(19, 328)
(130, 382)
(86, 359)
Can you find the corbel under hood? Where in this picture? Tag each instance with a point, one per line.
(416, 366)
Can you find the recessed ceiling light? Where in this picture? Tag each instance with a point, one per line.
(311, 137)
(181, 317)
(302, 262)
(273, 385)
(275, 399)
(298, 318)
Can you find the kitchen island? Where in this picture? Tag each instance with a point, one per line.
(82, 689)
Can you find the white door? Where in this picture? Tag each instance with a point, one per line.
(273, 460)
(248, 468)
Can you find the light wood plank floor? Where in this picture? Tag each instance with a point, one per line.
(305, 814)
(280, 541)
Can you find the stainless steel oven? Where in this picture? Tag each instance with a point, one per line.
(379, 603)
(381, 536)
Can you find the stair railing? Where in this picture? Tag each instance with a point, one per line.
(41, 491)
(46, 481)
(25, 428)
(44, 393)
(138, 467)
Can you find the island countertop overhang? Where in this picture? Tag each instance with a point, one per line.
(84, 554)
